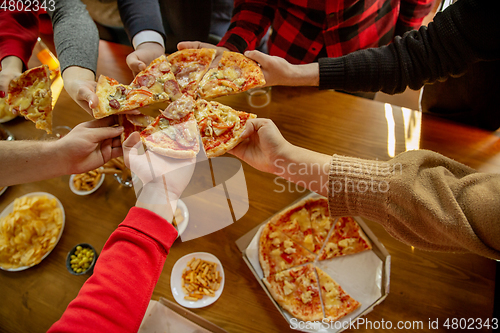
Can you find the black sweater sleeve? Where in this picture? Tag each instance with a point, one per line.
(141, 15)
(464, 33)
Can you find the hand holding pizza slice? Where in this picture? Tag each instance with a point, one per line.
(154, 84)
(30, 96)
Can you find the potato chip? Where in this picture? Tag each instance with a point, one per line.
(30, 231)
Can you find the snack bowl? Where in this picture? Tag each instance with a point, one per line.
(176, 280)
(89, 253)
(79, 192)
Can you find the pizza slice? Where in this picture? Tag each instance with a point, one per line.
(337, 303)
(189, 66)
(296, 290)
(30, 96)
(154, 84)
(295, 222)
(235, 73)
(220, 126)
(321, 223)
(346, 238)
(278, 252)
(133, 123)
(171, 137)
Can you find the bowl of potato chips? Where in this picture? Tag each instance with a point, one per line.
(30, 228)
(87, 182)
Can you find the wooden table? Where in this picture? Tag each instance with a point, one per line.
(424, 286)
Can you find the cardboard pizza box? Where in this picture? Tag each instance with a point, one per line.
(365, 276)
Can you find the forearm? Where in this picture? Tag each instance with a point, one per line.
(305, 168)
(116, 296)
(464, 33)
(423, 199)
(75, 35)
(27, 161)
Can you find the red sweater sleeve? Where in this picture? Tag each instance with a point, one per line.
(18, 34)
(116, 296)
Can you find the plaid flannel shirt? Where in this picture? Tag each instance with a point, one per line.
(304, 30)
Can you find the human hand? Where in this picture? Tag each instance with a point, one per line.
(89, 145)
(143, 55)
(279, 72)
(80, 84)
(200, 45)
(161, 180)
(12, 67)
(263, 145)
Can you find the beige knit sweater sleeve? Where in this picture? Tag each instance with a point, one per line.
(422, 199)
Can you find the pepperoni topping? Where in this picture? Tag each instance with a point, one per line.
(114, 104)
(121, 89)
(146, 80)
(171, 88)
(164, 67)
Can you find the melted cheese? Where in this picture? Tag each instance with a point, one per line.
(276, 252)
(347, 243)
(274, 234)
(289, 249)
(308, 239)
(276, 242)
(287, 288)
(331, 247)
(306, 297)
(302, 218)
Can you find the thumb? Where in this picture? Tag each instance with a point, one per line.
(93, 100)
(255, 55)
(251, 127)
(103, 133)
(130, 147)
(134, 63)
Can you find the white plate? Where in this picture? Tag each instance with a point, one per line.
(3, 189)
(9, 210)
(74, 190)
(176, 284)
(181, 227)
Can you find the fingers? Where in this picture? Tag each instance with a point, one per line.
(255, 55)
(132, 141)
(192, 45)
(103, 122)
(134, 63)
(87, 95)
(253, 126)
(104, 133)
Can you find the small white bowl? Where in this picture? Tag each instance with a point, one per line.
(176, 283)
(74, 190)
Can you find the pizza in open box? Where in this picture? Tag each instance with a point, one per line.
(305, 232)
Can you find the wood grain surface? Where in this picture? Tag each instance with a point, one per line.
(424, 286)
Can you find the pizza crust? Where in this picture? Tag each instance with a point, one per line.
(179, 154)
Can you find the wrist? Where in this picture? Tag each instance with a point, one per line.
(12, 64)
(306, 75)
(73, 73)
